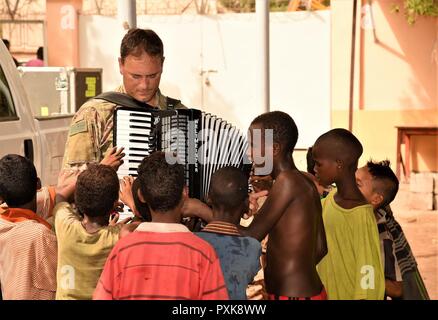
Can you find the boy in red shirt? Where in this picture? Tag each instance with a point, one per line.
(162, 259)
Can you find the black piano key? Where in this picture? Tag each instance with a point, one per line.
(140, 121)
(137, 141)
(143, 115)
(138, 149)
(138, 135)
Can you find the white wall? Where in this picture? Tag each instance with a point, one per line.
(300, 63)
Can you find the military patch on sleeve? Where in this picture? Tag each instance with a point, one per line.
(78, 127)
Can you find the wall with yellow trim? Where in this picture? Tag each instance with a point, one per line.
(376, 130)
(395, 80)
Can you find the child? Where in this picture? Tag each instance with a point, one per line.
(46, 195)
(84, 243)
(291, 214)
(162, 259)
(28, 245)
(379, 185)
(322, 190)
(238, 255)
(352, 268)
(129, 196)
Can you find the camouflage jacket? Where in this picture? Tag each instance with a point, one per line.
(91, 131)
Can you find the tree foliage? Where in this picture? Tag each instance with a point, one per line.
(415, 8)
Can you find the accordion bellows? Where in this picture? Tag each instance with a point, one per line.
(202, 142)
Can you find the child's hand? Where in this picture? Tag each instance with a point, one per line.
(196, 208)
(253, 203)
(254, 292)
(114, 158)
(128, 228)
(261, 183)
(114, 218)
(125, 193)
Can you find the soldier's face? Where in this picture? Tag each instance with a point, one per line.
(141, 76)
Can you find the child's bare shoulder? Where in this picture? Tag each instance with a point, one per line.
(292, 178)
(298, 186)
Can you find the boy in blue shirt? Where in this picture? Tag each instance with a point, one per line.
(239, 255)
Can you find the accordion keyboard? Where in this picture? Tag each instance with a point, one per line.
(133, 134)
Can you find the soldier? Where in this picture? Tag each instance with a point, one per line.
(141, 64)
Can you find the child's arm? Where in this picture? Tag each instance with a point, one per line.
(393, 289)
(66, 185)
(196, 208)
(275, 205)
(321, 240)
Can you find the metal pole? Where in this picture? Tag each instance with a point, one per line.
(352, 63)
(127, 13)
(262, 21)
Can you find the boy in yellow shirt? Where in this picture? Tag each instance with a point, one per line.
(85, 237)
(352, 268)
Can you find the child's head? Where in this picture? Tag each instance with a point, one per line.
(142, 207)
(310, 161)
(284, 136)
(18, 181)
(336, 153)
(97, 191)
(229, 192)
(323, 190)
(378, 183)
(162, 185)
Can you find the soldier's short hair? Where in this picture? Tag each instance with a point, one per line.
(137, 41)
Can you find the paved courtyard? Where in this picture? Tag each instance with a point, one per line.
(421, 230)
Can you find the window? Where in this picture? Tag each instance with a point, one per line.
(7, 108)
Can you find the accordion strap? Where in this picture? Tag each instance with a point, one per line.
(172, 103)
(125, 100)
(122, 99)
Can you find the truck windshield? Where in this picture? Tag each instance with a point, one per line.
(7, 108)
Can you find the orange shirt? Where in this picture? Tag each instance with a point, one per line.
(19, 215)
(162, 261)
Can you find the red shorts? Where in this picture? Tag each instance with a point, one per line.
(321, 296)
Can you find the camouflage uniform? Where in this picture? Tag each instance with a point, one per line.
(91, 131)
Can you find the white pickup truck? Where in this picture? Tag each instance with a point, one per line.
(40, 138)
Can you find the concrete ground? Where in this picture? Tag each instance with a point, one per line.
(421, 230)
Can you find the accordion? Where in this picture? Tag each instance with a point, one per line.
(200, 141)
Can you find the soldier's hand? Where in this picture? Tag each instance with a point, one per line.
(114, 158)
